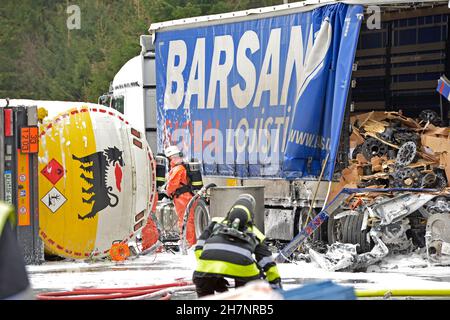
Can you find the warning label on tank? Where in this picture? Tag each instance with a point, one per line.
(54, 200)
(53, 171)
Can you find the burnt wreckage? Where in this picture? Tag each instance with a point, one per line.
(393, 151)
(366, 225)
(394, 196)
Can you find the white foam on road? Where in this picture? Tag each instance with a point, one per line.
(397, 272)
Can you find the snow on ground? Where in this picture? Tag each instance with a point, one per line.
(397, 272)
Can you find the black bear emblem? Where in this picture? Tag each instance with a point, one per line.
(100, 193)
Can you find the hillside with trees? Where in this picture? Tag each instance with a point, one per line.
(41, 58)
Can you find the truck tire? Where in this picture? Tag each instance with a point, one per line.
(300, 224)
(351, 233)
(202, 218)
(334, 229)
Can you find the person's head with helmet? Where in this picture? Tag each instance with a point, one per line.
(242, 212)
(173, 154)
(172, 151)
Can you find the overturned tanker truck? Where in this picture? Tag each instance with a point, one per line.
(263, 97)
(91, 177)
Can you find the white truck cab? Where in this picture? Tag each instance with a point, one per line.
(133, 92)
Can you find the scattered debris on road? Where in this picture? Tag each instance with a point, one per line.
(369, 225)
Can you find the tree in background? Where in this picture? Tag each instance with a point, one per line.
(40, 58)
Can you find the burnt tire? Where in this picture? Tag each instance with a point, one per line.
(351, 233)
(202, 218)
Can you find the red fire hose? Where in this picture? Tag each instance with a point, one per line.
(163, 291)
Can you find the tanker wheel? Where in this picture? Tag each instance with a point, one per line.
(202, 218)
(351, 233)
(301, 221)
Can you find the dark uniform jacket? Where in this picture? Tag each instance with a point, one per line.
(13, 275)
(247, 259)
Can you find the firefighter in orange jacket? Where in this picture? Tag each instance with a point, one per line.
(150, 232)
(179, 189)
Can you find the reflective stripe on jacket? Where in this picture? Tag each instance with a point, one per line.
(219, 254)
(13, 274)
(6, 212)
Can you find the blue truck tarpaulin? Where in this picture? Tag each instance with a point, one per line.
(444, 87)
(258, 98)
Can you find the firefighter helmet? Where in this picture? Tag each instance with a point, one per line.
(243, 209)
(172, 151)
(240, 216)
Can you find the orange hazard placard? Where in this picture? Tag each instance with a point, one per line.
(23, 189)
(29, 140)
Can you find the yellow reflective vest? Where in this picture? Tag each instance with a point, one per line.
(219, 254)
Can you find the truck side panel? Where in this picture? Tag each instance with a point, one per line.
(257, 98)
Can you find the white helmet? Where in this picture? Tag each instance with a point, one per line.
(172, 151)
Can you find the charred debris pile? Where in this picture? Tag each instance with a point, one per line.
(394, 151)
(404, 166)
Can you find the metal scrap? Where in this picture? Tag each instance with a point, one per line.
(430, 116)
(373, 147)
(406, 178)
(391, 150)
(406, 154)
(438, 237)
(394, 209)
(343, 256)
(340, 256)
(380, 223)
